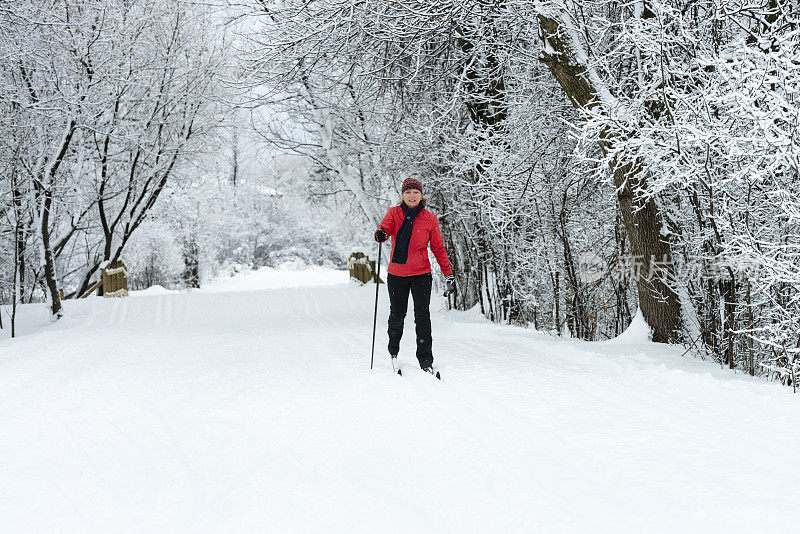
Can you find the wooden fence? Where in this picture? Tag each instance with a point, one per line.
(115, 280)
(362, 268)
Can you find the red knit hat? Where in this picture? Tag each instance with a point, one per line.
(411, 183)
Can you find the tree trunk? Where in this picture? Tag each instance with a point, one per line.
(17, 279)
(641, 216)
(235, 162)
(556, 300)
(49, 261)
(642, 219)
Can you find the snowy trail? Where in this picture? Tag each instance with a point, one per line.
(250, 406)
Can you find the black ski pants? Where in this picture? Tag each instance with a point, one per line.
(420, 288)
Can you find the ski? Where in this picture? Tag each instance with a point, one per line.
(396, 369)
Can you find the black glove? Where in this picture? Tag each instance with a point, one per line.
(450, 285)
(380, 235)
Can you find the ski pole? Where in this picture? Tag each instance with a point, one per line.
(375, 317)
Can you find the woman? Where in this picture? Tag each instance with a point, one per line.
(411, 228)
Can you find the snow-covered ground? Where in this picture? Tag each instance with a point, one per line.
(250, 406)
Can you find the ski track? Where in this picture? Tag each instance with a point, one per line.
(232, 410)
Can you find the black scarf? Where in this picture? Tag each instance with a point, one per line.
(403, 237)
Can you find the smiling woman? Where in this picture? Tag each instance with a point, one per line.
(412, 194)
(412, 228)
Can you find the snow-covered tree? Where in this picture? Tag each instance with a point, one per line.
(103, 99)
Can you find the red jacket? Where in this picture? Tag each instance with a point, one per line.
(425, 230)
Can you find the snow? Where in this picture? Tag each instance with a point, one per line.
(637, 333)
(250, 406)
(150, 291)
(269, 278)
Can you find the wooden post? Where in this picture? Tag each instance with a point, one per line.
(115, 279)
(362, 268)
